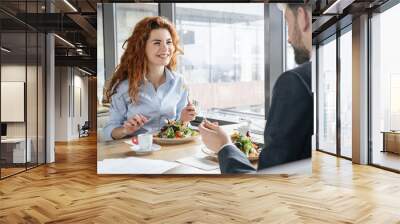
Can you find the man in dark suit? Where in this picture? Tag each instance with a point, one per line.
(288, 131)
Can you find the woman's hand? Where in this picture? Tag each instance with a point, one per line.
(188, 113)
(133, 124)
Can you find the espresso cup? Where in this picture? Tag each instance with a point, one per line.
(145, 141)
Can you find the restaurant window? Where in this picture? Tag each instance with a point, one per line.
(385, 88)
(346, 93)
(314, 90)
(100, 53)
(126, 17)
(223, 57)
(327, 95)
(289, 59)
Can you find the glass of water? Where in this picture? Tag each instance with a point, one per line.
(200, 109)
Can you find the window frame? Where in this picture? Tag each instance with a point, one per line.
(333, 37)
(378, 10)
(40, 51)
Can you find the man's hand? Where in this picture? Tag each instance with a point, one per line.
(134, 123)
(213, 136)
(188, 113)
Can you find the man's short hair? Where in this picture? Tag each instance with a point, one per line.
(294, 6)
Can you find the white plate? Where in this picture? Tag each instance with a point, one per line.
(138, 150)
(173, 141)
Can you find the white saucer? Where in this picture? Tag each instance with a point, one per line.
(138, 150)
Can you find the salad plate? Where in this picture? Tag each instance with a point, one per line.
(244, 143)
(175, 132)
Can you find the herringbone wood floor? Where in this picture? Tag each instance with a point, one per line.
(70, 191)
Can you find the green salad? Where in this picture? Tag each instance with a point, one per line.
(245, 144)
(176, 129)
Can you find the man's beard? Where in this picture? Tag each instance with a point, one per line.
(301, 54)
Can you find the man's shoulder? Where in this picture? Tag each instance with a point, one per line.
(303, 70)
(300, 74)
(294, 80)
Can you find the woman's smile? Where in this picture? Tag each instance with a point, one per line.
(163, 55)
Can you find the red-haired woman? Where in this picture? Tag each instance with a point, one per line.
(144, 91)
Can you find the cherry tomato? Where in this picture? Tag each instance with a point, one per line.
(178, 134)
(135, 141)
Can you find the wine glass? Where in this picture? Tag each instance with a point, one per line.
(200, 109)
(244, 126)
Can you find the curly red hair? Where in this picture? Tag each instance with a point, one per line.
(133, 65)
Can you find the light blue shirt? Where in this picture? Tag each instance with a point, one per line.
(165, 103)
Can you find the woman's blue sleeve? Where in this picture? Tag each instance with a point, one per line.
(118, 111)
(183, 101)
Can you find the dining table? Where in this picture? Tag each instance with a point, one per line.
(193, 150)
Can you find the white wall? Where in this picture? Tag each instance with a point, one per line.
(61, 103)
(33, 126)
(16, 72)
(69, 85)
(79, 117)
